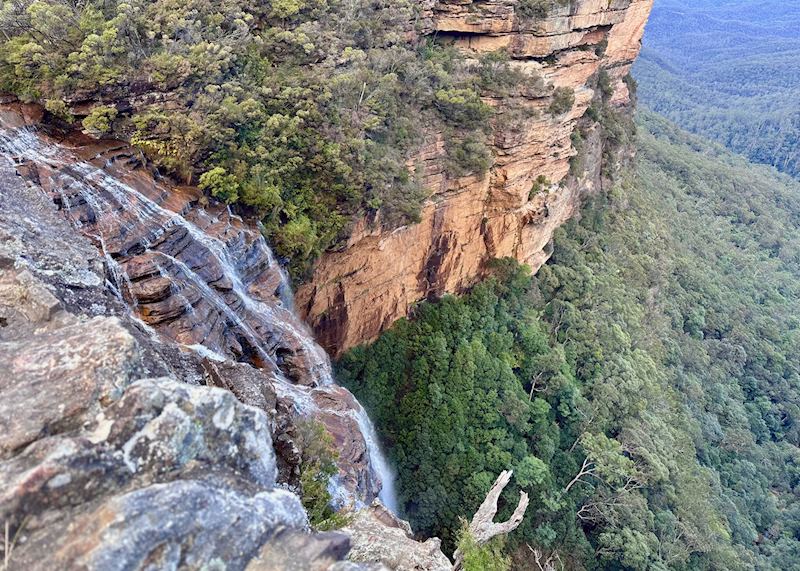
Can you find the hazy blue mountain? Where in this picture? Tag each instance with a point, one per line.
(728, 70)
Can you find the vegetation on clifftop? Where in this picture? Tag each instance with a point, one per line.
(306, 111)
(644, 386)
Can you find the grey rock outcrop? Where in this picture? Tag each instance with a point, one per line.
(119, 449)
(104, 470)
(200, 277)
(378, 536)
(102, 467)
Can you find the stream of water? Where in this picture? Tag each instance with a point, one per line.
(107, 196)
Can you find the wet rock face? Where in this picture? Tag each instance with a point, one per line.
(199, 276)
(119, 451)
(360, 290)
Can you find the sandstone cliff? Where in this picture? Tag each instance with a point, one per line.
(361, 289)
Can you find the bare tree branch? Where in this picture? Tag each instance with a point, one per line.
(483, 527)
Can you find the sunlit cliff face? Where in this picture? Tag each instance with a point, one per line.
(360, 290)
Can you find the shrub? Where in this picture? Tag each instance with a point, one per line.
(58, 108)
(297, 238)
(318, 464)
(220, 184)
(468, 156)
(563, 100)
(486, 557)
(604, 83)
(538, 8)
(462, 106)
(534, 8)
(577, 164)
(99, 120)
(540, 184)
(496, 75)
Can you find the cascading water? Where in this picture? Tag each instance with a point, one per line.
(227, 320)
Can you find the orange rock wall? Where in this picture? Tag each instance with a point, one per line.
(359, 291)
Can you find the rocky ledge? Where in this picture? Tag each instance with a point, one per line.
(198, 276)
(120, 449)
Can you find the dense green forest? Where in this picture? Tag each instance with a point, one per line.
(644, 385)
(306, 111)
(728, 70)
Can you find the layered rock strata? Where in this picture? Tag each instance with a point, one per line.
(120, 450)
(201, 277)
(97, 453)
(361, 289)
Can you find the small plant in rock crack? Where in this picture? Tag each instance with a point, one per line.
(317, 467)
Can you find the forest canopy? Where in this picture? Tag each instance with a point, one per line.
(644, 386)
(729, 71)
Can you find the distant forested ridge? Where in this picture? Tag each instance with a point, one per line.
(728, 70)
(644, 385)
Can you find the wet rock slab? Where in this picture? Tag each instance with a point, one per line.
(199, 276)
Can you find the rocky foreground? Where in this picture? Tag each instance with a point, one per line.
(120, 449)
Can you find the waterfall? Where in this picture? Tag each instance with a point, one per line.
(378, 461)
(91, 196)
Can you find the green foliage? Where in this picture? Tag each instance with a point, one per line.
(449, 392)
(318, 465)
(469, 155)
(563, 100)
(495, 75)
(728, 71)
(58, 108)
(600, 49)
(577, 163)
(654, 361)
(604, 83)
(462, 106)
(486, 557)
(312, 109)
(220, 184)
(541, 184)
(537, 9)
(99, 119)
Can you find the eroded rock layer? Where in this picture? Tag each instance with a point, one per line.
(201, 277)
(358, 291)
(99, 440)
(119, 449)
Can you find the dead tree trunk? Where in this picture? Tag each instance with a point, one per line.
(483, 527)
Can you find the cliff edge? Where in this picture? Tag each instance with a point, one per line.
(550, 147)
